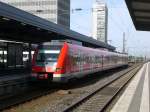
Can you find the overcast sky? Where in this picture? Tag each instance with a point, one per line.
(119, 21)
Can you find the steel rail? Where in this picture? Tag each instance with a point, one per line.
(119, 90)
(87, 97)
(21, 98)
(35, 92)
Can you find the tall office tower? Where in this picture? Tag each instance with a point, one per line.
(100, 21)
(57, 11)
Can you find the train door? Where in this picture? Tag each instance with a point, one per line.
(104, 61)
(80, 60)
(70, 61)
(74, 61)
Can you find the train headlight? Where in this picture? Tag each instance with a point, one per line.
(58, 69)
(54, 66)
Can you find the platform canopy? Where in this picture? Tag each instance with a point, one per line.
(19, 25)
(140, 13)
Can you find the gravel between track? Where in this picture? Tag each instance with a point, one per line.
(57, 101)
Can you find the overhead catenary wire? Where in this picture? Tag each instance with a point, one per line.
(85, 28)
(120, 15)
(73, 10)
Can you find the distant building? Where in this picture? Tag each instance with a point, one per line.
(57, 11)
(100, 21)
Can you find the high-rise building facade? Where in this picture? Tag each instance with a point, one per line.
(100, 21)
(57, 11)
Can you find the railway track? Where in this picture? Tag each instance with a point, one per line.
(100, 98)
(36, 92)
(30, 94)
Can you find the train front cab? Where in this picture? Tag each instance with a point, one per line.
(71, 61)
(48, 62)
(60, 71)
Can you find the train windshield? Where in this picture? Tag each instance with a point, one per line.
(47, 57)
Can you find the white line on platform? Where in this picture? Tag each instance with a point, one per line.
(145, 95)
(124, 101)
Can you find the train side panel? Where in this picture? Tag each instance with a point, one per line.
(59, 74)
(81, 61)
(76, 61)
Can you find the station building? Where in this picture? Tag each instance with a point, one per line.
(21, 31)
(57, 11)
(100, 21)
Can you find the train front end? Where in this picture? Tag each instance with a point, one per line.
(45, 61)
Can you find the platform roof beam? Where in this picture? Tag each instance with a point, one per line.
(19, 25)
(140, 13)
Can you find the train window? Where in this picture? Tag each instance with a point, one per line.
(47, 55)
(87, 59)
(98, 60)
(51, 47)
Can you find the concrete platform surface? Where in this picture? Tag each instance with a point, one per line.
(136, 96)
(7, 78)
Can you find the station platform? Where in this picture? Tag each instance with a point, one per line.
(13, 77)
(136, 96)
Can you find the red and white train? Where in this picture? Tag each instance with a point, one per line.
(60, 62)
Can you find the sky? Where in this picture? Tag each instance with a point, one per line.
(119, 21)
